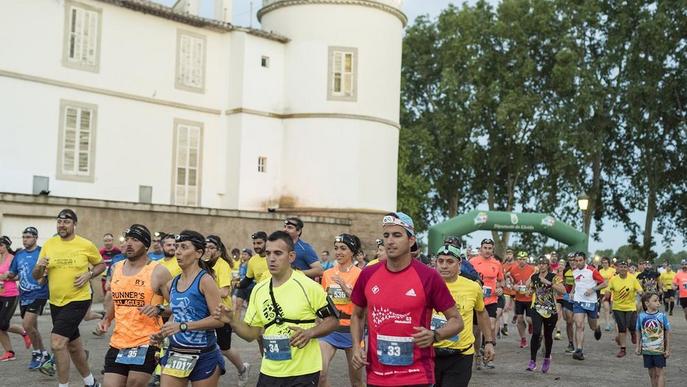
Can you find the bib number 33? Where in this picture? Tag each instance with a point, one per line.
(394, 350)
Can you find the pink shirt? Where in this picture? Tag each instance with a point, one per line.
(396, 302)
(10, 286)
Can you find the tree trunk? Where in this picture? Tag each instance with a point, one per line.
(649, 220)
(452, 205)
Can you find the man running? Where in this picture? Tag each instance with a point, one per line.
(306, 257)
(156, 251)
(508, 292)
(65, 259)
(108, 251)
(286, 307)
(587, 282)
(491, 272)
(520, 273)
(398, 297)
(137, 287)
(666, 278)
(453, 362)
(32, 294)
(680, 281)
(623, 289)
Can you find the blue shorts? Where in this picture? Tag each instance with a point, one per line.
(339, 340)
(205, 366)
(591, 314)
(654, 361)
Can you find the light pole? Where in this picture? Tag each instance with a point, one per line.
(583, 203)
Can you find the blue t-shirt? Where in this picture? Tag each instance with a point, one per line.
(155, 256)
(305, 255)
(22, 265)
(243, 269)
(653, 327)
(115, 259)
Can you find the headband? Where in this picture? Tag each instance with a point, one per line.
(140, 233)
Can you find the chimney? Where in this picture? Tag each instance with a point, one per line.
(223, 10)
(187, 6)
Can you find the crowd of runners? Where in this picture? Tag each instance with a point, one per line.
(173, 300)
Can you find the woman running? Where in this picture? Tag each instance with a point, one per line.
(193, 355)
(9, 298)
(338, 282)
(607, 272)
(544, 285)
(241, 296)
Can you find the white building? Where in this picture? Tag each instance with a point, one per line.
(131, 101)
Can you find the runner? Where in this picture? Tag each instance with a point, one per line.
(567, 303)
(508, 292)
(306, 257)
(584, 297)
(623, 289)
(137, 286)
(241, 296)
(257, 265)
(65, 260)
(520, 273)
(398, 298)
(380, 254)
(655, 343)
(491, 274)
(193, 354)
(156, 251)
(338, 282)
(545, 285)
(33, 295)
(680, 282)
(9, 298)
(666, 279)
(649, 279)
(286, 307)
(108, 251)
(453, 362)
(215, 257)
(607, 272)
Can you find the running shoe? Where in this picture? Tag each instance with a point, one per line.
(578, 355)
(531, 366)
(621, 353)
(48, 366)
(243, 376)
(504, 330)
(488, 364)
(633, 337)
(96, 384)
(155, 382)
(570, 349)
(597, 333)
(547, 364)
(523, 343)
(558, 335)
(7, 356)
(36, 360)
(27, 340)
(608, 328)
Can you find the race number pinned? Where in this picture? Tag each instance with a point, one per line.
(180, 365)
(277, 347)
(132, 356)
(395, 350)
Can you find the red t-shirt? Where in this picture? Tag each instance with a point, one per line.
(490, 271)
(396, 302)
(520, 277)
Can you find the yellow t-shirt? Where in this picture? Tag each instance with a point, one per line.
(666, 279)
(223, 278)
(607, 274)
(373, 262)
(468, 296)
(257, 268)
(68, 260)
(299, 298)
(623, 292)
(172, 265)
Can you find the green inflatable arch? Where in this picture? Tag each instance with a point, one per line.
(506, 221)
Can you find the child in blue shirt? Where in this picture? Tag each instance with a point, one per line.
(654, 345)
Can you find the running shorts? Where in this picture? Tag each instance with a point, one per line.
(66, 318)
(669, 293)
(289, 381)
(523, 307)
(592, 314)
(35, 307)
(339, 340)
(454, 370)
(491, 310)
(654, 361)
(683, 302)
(148, 366)
(625, 320)
(205, 366)
(7, 307)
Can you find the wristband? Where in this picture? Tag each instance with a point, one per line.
(160, 309)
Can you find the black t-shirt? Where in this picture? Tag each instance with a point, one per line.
(649, 280)
(545, 295)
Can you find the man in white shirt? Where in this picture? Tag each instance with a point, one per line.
(585, 300)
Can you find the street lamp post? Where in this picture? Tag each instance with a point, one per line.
(583, 203)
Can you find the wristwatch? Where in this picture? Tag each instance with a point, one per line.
(160, 309)
(436, 335)
(183, 327)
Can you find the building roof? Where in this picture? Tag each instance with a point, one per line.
(159, 10)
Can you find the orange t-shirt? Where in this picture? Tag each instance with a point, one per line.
(680, 281)
(491, 271)
(341, 300)
(520, 276)
(508, 290)
(133, 329)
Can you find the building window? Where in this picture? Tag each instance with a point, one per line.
(262, 164)
(188, 140)
(76, 153)
(265, 61)
(190, 72)
(342, 78)
(82, 36)
(145, 194)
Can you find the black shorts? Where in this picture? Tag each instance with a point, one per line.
(289, 381)
(454, 370)
(148, 366)
(683, 302)
(654, 361)
(243, 294)
(668, 293)
(625, 320)
(501, 302)
(491, 310)
(523, 307)
(224, 337)
(7, 307)
(36, 307)
(66, 318)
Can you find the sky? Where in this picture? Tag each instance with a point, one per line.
(613, 235)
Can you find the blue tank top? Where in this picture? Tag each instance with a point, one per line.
(188, 306)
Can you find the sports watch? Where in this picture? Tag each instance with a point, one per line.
(183, 327)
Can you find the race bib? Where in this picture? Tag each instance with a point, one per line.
(438, 322)
(394, 350)
(486, 291)
(684, 286)
(521, 288)
(590, 306)
(277, 347)
(337, 295)
(543, 311)
(132, 356)
(180, 365)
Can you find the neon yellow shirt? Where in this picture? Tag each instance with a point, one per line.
(607, 274)
(172, 265)
(299, 298)
(68, 260)
(468, 296)
(223, 278)
(666, 279)
(257, 268)
(623, 292)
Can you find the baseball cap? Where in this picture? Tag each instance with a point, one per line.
(399, 219)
